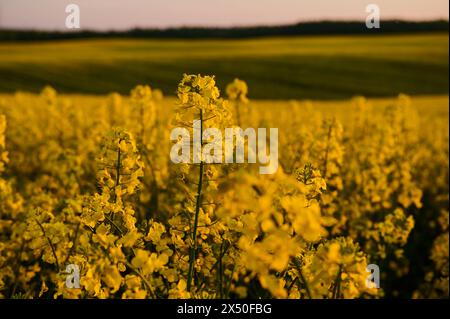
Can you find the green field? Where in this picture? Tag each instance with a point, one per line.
(275, 68)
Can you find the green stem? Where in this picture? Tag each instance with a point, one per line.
(49, 243)
(197, 211)
(337, 286)
(227, 291)
(146, 283)
(302, 278)
(305, 283)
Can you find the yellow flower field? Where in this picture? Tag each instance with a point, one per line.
(88, 181)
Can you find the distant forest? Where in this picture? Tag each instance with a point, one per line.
(304, 28)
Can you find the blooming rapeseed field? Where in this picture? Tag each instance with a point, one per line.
(87, 181)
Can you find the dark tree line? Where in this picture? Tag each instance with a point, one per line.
(304, 28)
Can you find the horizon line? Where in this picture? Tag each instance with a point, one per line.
(217, 27)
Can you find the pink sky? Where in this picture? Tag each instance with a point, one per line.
(125, 14)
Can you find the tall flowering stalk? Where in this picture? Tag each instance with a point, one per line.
(199, 101)
(120, 165)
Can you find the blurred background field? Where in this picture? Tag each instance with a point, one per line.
(431, 107)
(307, 67)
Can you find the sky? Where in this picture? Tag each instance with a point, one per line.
(126, 14)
